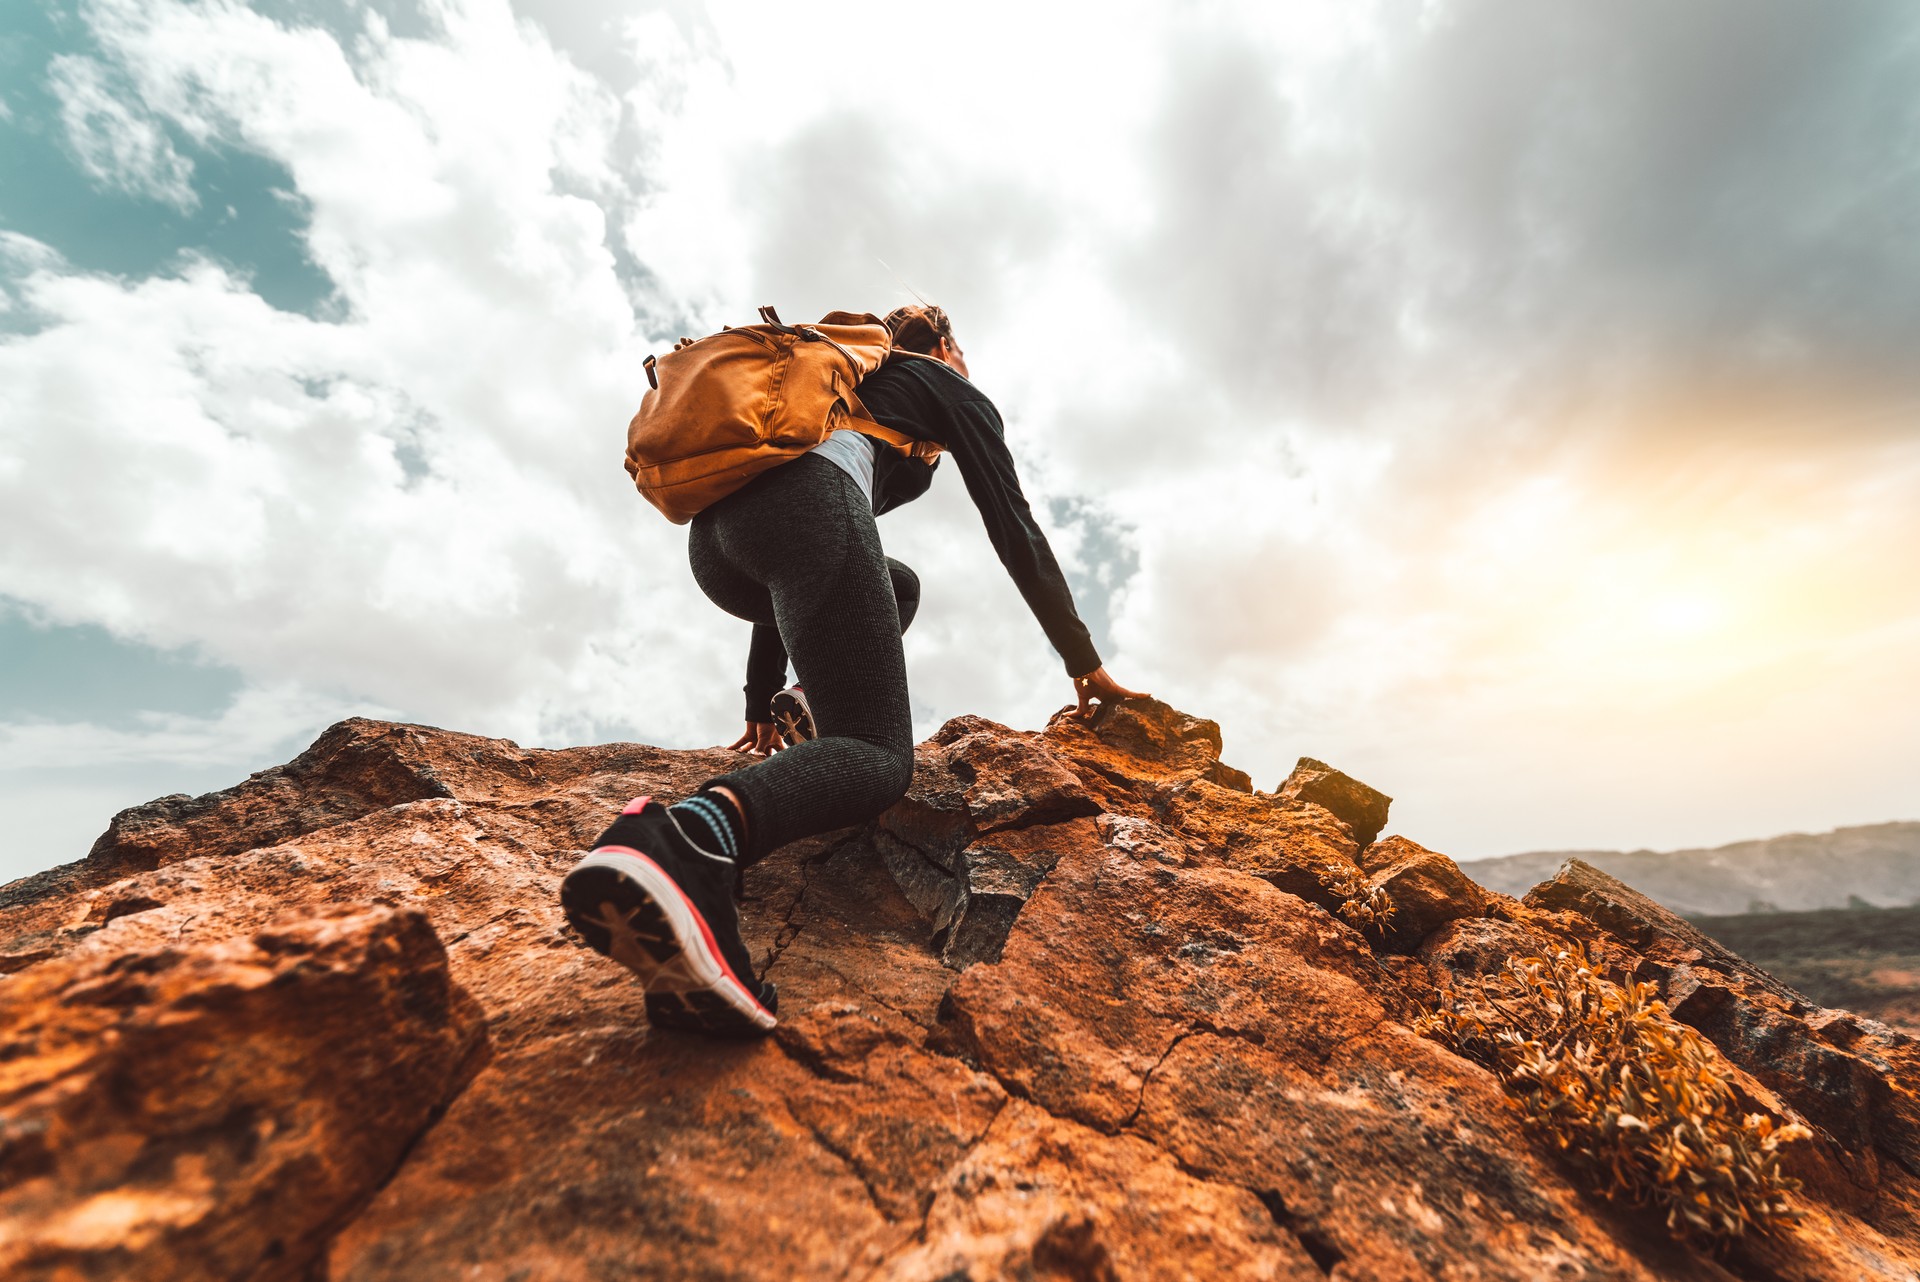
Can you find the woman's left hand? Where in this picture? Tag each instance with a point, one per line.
(761, 739)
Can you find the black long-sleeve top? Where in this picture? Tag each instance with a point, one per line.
(933, 401)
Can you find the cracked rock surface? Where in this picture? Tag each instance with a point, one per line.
(1080, 1007)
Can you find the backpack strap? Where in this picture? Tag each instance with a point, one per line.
(911, 446)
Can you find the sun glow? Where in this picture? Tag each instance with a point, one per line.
(1685, 615)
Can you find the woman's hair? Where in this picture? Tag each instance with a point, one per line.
(919, 329)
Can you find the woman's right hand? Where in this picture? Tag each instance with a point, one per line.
(1098, 685)
(761, 739)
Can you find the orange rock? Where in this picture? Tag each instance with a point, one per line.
(1299, 847)
(1427, 889)
(1141, 750)
(1362, 809)
(1079, 1007)
(220, 1110)
(1040, 1197)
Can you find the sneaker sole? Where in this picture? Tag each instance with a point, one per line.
(792, 718)
(629, 910)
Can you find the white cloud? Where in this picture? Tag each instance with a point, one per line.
(20, 257)
(118, 142)
(260, 720)
(231, 476)
(22, 254)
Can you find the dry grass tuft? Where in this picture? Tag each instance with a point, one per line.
(1366, 908)
(1632, 1095)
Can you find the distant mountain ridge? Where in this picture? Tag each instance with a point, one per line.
(1874, 865)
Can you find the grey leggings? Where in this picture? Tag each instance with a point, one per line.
(798, 548)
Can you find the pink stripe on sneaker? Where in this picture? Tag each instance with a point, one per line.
(635, 806)
(706, 931)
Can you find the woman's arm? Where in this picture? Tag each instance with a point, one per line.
(978, 445)
(936, 401)
(766, 671)
(766, 674)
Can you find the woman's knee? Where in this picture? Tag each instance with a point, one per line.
(900, 777)
(906, 591)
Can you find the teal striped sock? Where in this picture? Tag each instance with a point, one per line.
(709, 822)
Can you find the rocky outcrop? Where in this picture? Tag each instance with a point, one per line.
(1082, 1006)
(980, 830)
(220, 1109)
(1853, 1079)
(1362, 809)
(1426, 888)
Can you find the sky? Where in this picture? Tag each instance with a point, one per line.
(1513, 404)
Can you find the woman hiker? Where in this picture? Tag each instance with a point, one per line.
(796, 553)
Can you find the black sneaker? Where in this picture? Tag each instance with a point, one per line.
(663, 908)
(792, 716)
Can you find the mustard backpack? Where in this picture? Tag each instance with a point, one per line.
(725, 408)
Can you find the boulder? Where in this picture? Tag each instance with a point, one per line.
(1362, 809)
(220, 1109)
(1249, 1035)
(1427, 890)
(1140, 751)
(986, 817)
(1476, 947)
(1045, 1198)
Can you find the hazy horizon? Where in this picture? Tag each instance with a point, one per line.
(1513, 406)
(1692, 850)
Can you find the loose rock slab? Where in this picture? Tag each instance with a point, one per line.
(220, 1110)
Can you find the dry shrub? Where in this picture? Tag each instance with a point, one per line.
(1366, 908)
(1613, 1081)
